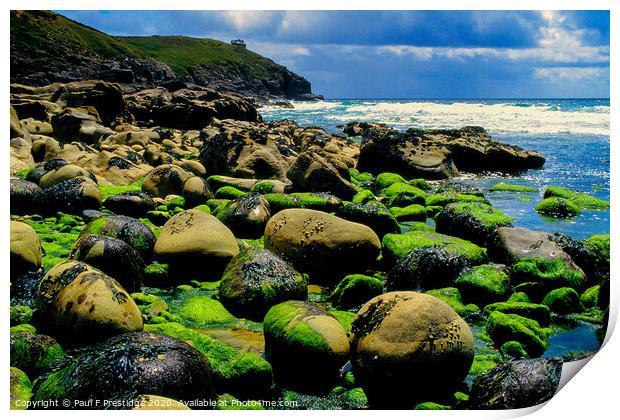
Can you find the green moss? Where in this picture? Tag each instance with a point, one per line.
(280, 201)
(203, 207)
(452, 297)
(23, 328)
(363, 197)
(483, 214)
(413, 212)
(512, 188)
(362, 179)
(215, 203)
(33, 353)
(144, 299)
(443, 199)
(155, 229)
(483, 363)
(110, 190)
(518, 297)
(284, 322)
(557, 207)
(229, 363)
(23, 173)
(216, 182)
(386, 179)
(354, 290)
(552, 273)
(432, 211)
(344, 318)
(582, 200)
(20, 315)
(563, 301)
(56, 244)
(229, 192)
(535, 311)
(588, 299)
(484, 284)
(514, 349)
(263, 187)
(315, 202)
(421, 184)
(175, 202)
(401, 194)
(357, 398)
(156, 273)
(396, 246)
(598, 245)
(503, 327)
(204, 311)
(432, 406)
(21, 389)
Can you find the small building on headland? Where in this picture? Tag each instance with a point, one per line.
(238, 42)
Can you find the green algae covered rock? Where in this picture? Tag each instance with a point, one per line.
(374, 215)
(588, 299)
(396, 246)
(402, 194)
(510, 327)
(476, 222)
(256, 279)
(386, 179)
(34, 353)
(564, 300)
(203, 311)
(21, 389)
(551, 274)
(514, 349)
(443, 199)
(452, 297)
(20, 315)
(134, 232)
(361, 179)
(557, 207)
(413, 212)
(246, 216)
(316, 201)
(484, 284)
(518, 297)
(583, 201)
(512, 188)
(126, 366)
(305, 345)
(535, 311)
(363, 197)
(484, 363)
(354, 290)
(229, 192)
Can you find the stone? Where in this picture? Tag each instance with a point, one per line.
(165, 180)
(82, 304)
(196, 191)
(20, 390)
(63, 173)
(314, 173)
(320, 244)
(135, 233)
(539, 313)
(257, 279)
(409, 347)
(246, 216)
(71, 196)
(374, 215)
(192, 236)
(503, 327)
(34, 353)
(563, 301)
(475, 222)
(305, 345)
(26, 251)
(355, 290)
(130, 203)
(557, 207)
(484, 284)
(25, 197)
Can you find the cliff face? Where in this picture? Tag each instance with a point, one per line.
(47, 47)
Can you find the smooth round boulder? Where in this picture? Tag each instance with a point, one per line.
(24, 197)
(320, 244)
(82, 304)
(305, 345)
(112, 256)
(255, 280)
(165, 180)
(127, 366)
(409, 347)
(135, 233)
(195, 245)
(246, 216)
(63, 173)
(26, 254)
(72, 196)
(196, 191)
(130, 203)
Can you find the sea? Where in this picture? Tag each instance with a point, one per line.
(573, 135)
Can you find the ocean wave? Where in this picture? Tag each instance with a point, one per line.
(507, 117)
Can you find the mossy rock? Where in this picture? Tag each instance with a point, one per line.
(34, 353)
(502, 186)
(318, 201)
(157, 274)
(588, 299)
(361, 179)
(535, 311)
(204, 311)
(484, 363)
(432, 211)
(421, 184)
(354, 290)
(363, 197)
(374, 215)
(582, 200)
(203, 207)
(21, 390)
(386, 179)
(452, 297)
(228, 192)
(514, 349)
(396, 246)
(564, 300)
(518, 297)
(476, 222)
(246, 216)
(557, 207)
(402, 194)
(256, 279)
(345, 318)
(413, 212)
(503, 327)
(484, 284)
(551, 274)
(443, 199)
(218, 181)
(23, 315)
(305, 345)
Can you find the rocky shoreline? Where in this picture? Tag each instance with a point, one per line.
(169, 247)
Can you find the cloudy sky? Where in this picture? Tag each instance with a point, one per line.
(405, 54)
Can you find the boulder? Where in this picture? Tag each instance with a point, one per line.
(112, 256)
(165, 180)
(557, 207)
(25, 196)
(130, 203)
(127, 366)
(246, 216)
(34, 353)
(257, 279)
(475, 222)
(563, 301)
(513, 243)
(539, 313)
(106, 98)
(26, 251)
(355, 290)
(314, 173)
(374, 215)
(197, 244)
(79, 124)
(71, 196)
(321, 244)
(20, 390)
(504, 327)
(82, 304)
(590, 254)
(196, 191)
(408, 348)
(305, 345)
(64, 173)
(516, 384)
(484, 284)
(132, 231)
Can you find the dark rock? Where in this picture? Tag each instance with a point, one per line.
(373, 215)
(71, 196)
(124, 367)
(475, 222)
(79, 124)
(34, 353)
(516, 384)
(246, 216)
(255, 280)
(25, 197)
(132, 231)
(24, 289)
(131, 203)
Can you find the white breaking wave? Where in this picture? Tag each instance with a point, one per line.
(540, 118)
